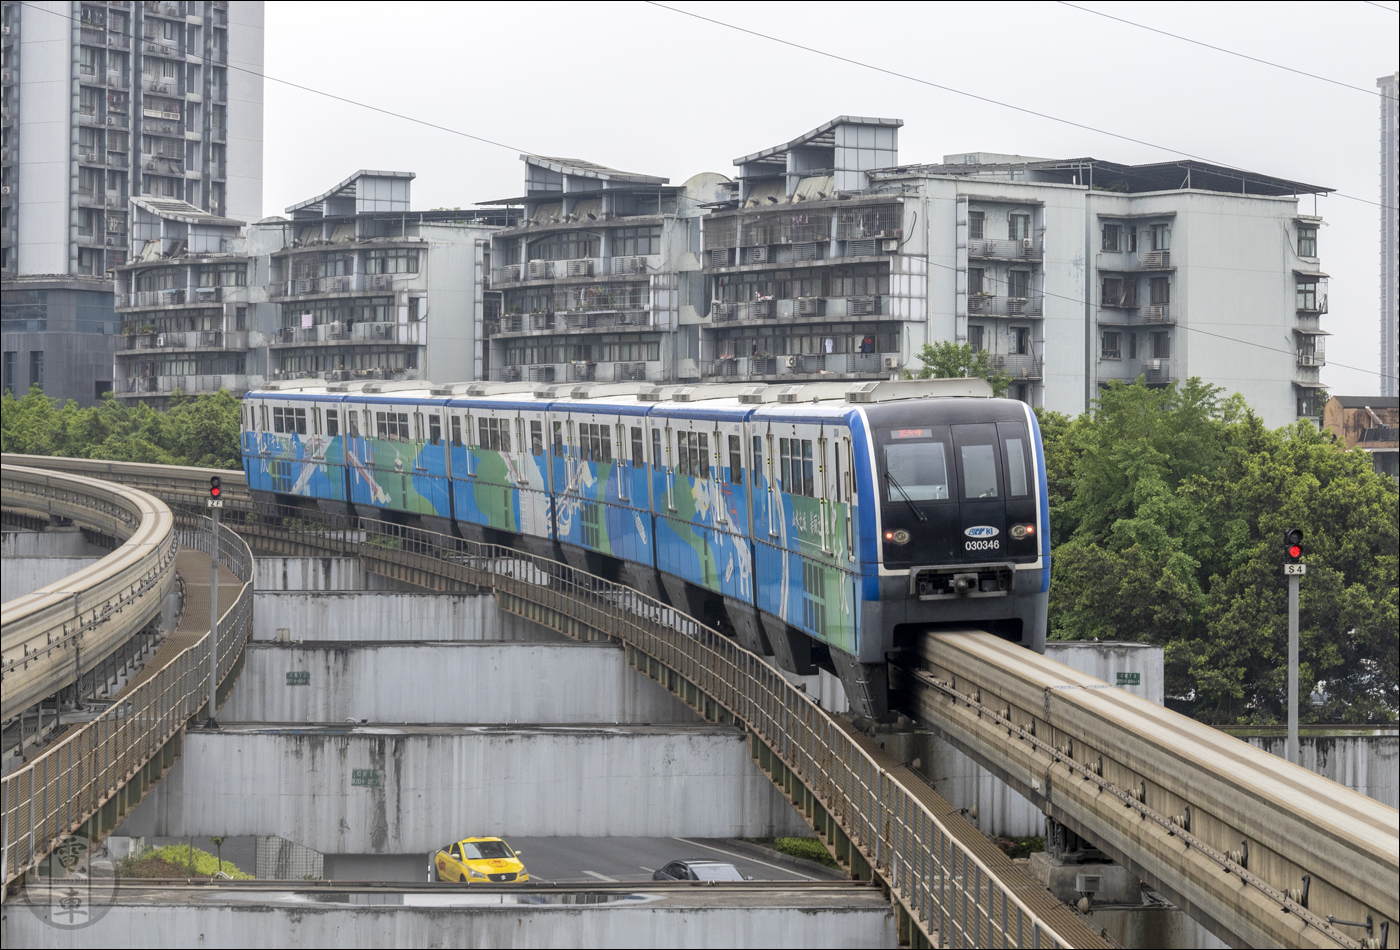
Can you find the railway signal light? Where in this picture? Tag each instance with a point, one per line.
(215, 486)
(1293, 545)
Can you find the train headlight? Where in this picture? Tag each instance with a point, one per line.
(898, 537)
(1022, 531)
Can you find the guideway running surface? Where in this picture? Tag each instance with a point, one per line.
(1226, 831)
(871, 819)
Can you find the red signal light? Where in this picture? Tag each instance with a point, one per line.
(1295, 552)
(214, 492)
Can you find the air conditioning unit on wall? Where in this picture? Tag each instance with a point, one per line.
(892, 362)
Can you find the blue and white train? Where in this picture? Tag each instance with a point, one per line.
(823, 524)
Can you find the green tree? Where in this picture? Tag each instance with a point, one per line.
(1168, 507)
(947, 360)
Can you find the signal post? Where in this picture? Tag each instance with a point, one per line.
(215, 504)
(1293, 569)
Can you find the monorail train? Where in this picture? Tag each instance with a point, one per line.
(823, 524)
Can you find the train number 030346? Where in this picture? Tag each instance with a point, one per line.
(990, 544)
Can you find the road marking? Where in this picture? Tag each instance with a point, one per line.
(648, 870)
(745, 857)
(601, 877)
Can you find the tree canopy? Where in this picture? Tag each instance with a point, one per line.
(1168, 508)
(198, 430)
(948, 360)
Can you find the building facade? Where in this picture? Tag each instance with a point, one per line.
(600, 280)
(189, 301)
(1390, 232)
(827, 258)
(106, 102)
(1369, 423)
(361, 287)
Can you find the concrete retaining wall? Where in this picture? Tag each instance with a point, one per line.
(307, 785)
(1365, 760)
(439, 920)
(1136, 667)
(51, 542)
(312, 573)
(481, 682)
(387, 616)
(25, 575)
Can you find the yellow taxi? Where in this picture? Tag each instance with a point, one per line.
(479, 861)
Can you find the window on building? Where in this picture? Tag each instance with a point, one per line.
(630, 241)
(240, 318)
(36, 368)
(976, 337)
(392, 261)
(1020, 340)
(1019, 284)
(736, 460)
(1112, 237)
(977, 225)
(1161, 237)
(1307, 242)
(1132, 346)
(1307, 295)
(1160, 291)
(8, 381)
(1161, 345)
(1112, 345)
(976, 283)
(1111, 292)
(1132, 239)
(566, 246)
(795, 472)
(1018, 226)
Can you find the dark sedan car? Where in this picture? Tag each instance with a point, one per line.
(699, 870)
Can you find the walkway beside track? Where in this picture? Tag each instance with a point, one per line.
(95, 773)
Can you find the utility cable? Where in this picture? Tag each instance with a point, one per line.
(1382, 6)
(972, 95)
(1220, 49)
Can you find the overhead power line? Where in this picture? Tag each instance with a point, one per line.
(980, 98)
(1220, 49)
(1383, 6)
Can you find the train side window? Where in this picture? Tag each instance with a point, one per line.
(316, 421)
(558, 440)
(703, 454)
(277, 419)
(622, 456)
(418, 427)
(457, 431)
(537, 438)
(656, 448)
(757, 460)
(1015, 456)
(795, 471)
(301, 421)
(736, 460)
(638, 457)
(354, 426)
(435, 429)
(381, 423)
(519, 434)
(976, 451)
(332, 423)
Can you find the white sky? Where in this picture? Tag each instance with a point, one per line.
(644, 89)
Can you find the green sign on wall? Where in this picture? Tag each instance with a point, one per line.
(299, 678)
(1129, 679)
(365, 778)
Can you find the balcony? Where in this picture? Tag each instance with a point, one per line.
(346, 284)
(162, 87)
(989, 305)
(506, 274)
(156, 298)
(1158, 313)
(1019, 366)
(1308, 357)
(1312, 303)
(138, 386)
(162, 165)
(1026, 249)
(806, 364)
(581, 372)
(354, 334)
(116, 120)
(730, 312)
(189, 339)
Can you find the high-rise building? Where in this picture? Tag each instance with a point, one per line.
(1390, 221)
(829, 259)
(104, 103)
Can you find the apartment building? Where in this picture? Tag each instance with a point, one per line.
(829, 258)
(600, 278)
(362, 287)
(190, 301)
(106, 102)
